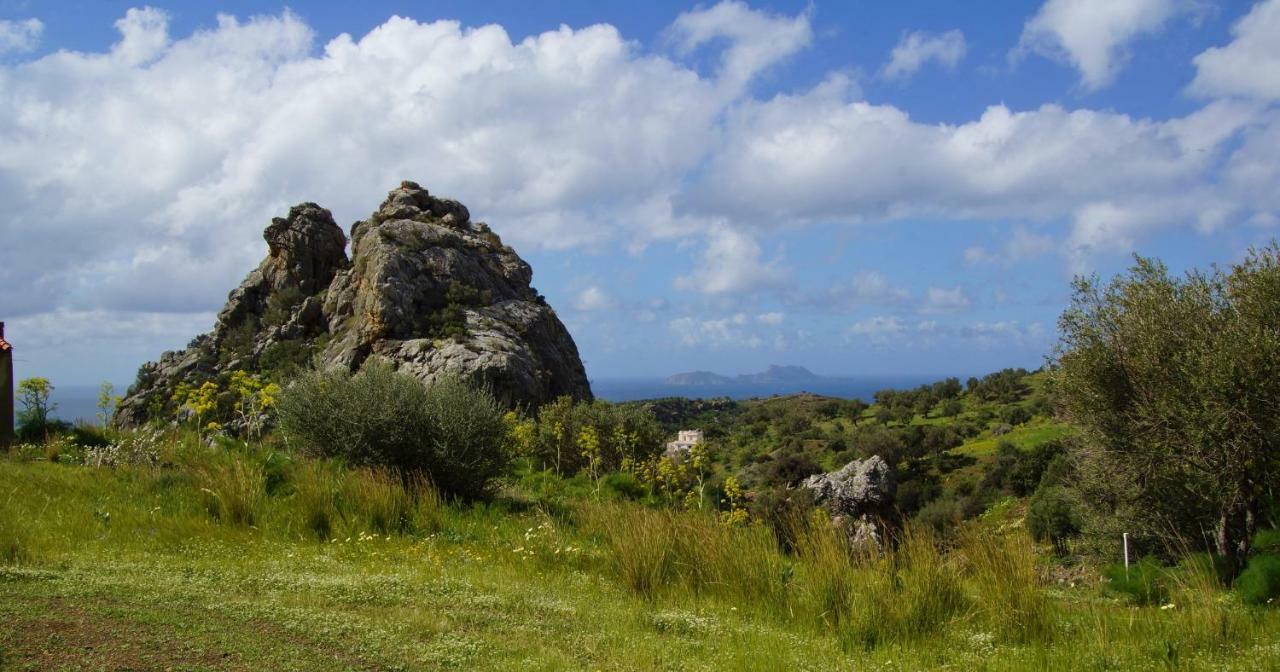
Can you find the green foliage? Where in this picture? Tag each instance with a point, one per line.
(1267, 541)
(133, 552)
(1005, 572)
(623, 485)
(1259, 583)
(1006, 386)
(237, 343)
(232, 489)
(1171, 381)
(1051, 518)
(467, 448)
(280, 305)
(283, 360)
(34, 418)
(620, 436)
(451, 432)
(450, 320)
(107, 403)
(1144, 582)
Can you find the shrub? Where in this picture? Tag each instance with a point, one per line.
(623, 485)
(1259, 583)
(1051, 518)
(621, 435)
(468, 446)
(449, 432)
(1267, 541)
(939, 515)
(1145, 582)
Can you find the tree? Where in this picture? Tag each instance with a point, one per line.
(33, 394)
(1175, 386)
(855, 409)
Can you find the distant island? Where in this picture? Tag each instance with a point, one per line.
(773, 375)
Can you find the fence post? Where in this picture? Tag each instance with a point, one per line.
(1126, 555)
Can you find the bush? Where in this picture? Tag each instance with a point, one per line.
(450, 432)
(623, 485)
(1051, 518)
(1259, 583)
(1267, 541)
(1145, 582)
(621, 434)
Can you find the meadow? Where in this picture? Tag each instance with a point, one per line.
(167, 552)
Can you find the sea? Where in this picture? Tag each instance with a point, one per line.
(80, 402)
(632, 389)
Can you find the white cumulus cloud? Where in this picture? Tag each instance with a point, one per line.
(1093, 35)
(732, 263)
(592, 299)
(21, 36)
(1250, 65)
(917, 48)
(942, 300)
(832, 158)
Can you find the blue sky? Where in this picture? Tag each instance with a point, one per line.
(863, 188)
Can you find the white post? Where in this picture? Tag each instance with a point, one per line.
(1126, 555)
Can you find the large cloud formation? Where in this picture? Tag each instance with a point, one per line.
(136, 180)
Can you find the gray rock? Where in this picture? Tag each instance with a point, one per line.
(426, 289)
(860, 487)
(860, 498)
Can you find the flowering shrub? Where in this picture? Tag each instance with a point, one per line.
(141, 448)
(255, 399)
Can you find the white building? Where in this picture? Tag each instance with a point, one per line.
(685, 439)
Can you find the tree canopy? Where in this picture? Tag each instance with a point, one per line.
(1175, 384)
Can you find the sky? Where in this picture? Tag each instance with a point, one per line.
(861, 188)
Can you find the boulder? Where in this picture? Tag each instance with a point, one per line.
(860, 498)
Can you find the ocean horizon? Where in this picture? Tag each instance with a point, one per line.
(861, 387)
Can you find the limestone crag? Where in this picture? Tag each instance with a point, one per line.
(860, 497)
(426, 289)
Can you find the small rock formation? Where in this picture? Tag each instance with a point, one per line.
(860, 497)
(426, 289)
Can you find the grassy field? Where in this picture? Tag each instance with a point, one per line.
(251, 559)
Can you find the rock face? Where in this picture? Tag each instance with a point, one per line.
(426, 289)
(860, 497)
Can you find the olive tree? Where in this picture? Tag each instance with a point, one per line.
(1174, 383)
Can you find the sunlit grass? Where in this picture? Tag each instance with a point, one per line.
(340, 568)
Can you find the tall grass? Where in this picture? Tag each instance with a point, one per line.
(665, 552)
(870, 595)
(382, 501)
(232, 488)
(15, 544)
(1010, 597)
(316, 485)
(329, 498)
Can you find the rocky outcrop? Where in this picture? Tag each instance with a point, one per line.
(426, 289)
(860, 497)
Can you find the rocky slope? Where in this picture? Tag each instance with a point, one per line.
(426, 289)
